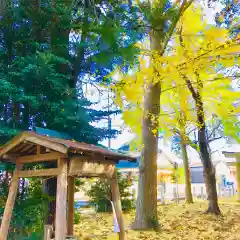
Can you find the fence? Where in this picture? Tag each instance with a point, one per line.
(176, 192)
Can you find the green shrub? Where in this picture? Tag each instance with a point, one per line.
(77, 217)
(100, 194)
(27, 218)
(34, 236)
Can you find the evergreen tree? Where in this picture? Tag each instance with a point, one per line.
(43, 72)
(47, 51)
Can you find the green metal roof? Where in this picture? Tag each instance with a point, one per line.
(111, 149)
(66, 136)
(52, 133)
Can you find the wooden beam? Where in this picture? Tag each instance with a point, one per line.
(9, 158)
(39, 173)
(43, 141)
(107, 155)
(94, 158)
(12, 144)
(18, 147)
(84, 168)
(41, 157)
(70, 214)
(9, 204)
(31, 150)
(38, 149)
(27, 147)
(117, 205)
(61, 202)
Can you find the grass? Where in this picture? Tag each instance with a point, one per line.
(178, 222)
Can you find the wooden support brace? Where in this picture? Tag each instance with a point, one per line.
(38, 149)
(70, 214)
(39, 173)
(40, 157)
(26, 148)
(9, 204)
(61, 201)
(117, 205)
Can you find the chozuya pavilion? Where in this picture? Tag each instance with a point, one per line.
(73, 159)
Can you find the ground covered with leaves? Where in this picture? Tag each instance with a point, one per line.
(178, 222)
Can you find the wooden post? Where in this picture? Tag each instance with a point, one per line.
(38, 149)
(9, 204)
(61, 201)
(117, 205)
(47, 232)
(70, 213)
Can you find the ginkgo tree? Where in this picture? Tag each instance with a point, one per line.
(206, 60)
(175, 120)
(161, 20)
(201, 60)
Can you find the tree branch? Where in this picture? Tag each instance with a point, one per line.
(214, 130)
(188, 140)
(216, 138)
(189, 84)
(182, 9)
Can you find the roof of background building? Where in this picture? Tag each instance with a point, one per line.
(166, 158)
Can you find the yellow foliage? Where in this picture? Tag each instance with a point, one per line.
(202, 54)
(178, 222)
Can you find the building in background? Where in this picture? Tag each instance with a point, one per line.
(166, 162)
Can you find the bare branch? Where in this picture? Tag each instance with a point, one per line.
(214, 130)
(194, 129)
(214, 139)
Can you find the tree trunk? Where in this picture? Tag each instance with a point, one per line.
(23, 188)
(3, 6)
(188, 190)
(146, 212)
(51, 190)
(208, 169)
(15, 114)
(146, 209)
